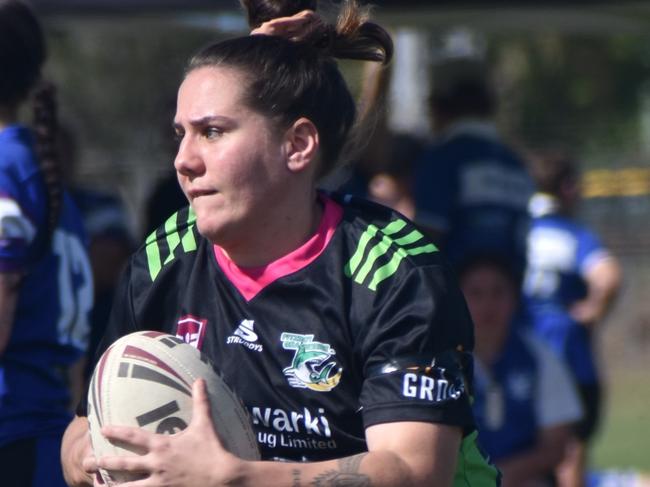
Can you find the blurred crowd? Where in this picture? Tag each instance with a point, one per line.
(537, 282)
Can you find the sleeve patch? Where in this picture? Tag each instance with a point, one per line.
(438, 382)
(435, 388)
(14, 225)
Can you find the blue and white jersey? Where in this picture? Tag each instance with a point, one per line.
(475, 190)
(50, 326)
(561, 253)
(526, 390)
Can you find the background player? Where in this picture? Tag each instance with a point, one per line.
(359, 376)
(571, 282)
(471, 189)
(525, 400)
(45, 279)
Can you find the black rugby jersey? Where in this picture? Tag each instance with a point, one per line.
(363, 324)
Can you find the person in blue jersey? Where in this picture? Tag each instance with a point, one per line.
(570, 285)
(470, 188)
(334, 319)
(45, 281)
(110, 239)
(525, 402)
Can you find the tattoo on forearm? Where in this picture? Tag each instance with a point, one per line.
(296, 478)
(347, 476)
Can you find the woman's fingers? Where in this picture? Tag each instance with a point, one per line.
(296, 27)
(131, 463)
(89, 464)
(136, 437)
(200, 404)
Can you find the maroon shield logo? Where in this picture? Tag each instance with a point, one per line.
(191, 330)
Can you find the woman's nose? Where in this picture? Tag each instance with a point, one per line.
(187, 159)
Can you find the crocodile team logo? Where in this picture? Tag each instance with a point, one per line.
(311, 366)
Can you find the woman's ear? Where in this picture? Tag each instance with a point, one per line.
(302, 143)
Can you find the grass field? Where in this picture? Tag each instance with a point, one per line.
(624, 438)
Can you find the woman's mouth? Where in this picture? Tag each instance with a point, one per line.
(197, 193)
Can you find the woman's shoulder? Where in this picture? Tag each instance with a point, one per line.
(381, 242)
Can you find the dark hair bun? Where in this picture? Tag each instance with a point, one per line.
(260, 11)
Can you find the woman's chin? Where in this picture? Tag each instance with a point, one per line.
(208, 227)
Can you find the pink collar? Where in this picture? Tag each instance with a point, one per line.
(251, 280)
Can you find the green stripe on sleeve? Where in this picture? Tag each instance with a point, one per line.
(381, 248)
(188, 240)
(353, 264)
(425, 249)
(375, 253)
(191, 216)
(173, 239)
(390, 268)
(387, 270)
(153, 255)
(412, 237)
(363, 267)
(393, 227)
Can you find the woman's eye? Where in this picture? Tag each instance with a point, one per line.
(178, 136)
(212, 132)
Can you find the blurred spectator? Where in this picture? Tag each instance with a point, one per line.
(570, 284)
(391, 183)
(524, 400)
(470, 188)
(110, 238)
(46, 288)
(165, 200)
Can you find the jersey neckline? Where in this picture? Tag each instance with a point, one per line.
(249, 281)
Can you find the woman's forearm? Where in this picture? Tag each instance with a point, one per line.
(378, 469)
(401, 454)
(9, 287)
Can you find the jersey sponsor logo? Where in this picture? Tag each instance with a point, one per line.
(301, 429)
(191, 330)
(245, 335)
(310, 367)
(433, 389)
(157, 248)
(395, 241)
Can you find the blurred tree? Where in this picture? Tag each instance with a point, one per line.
(583, 92)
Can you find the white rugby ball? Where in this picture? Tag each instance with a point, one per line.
(145, 379)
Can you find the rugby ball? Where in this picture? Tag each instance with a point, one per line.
(144, 379)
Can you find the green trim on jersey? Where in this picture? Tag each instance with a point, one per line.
(173, 239)
(362, 262)
(472, 469)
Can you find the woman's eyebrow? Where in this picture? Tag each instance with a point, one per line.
(206, 120)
